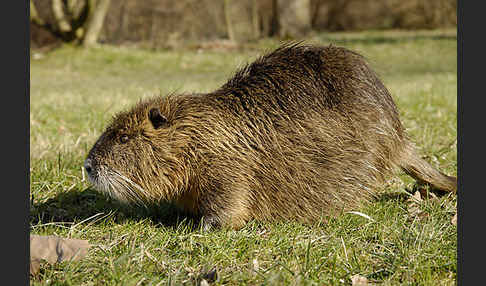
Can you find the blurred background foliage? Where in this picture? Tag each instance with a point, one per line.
(174, 23)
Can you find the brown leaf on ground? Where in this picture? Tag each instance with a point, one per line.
(416, 197)
(414, 206)
(415, 201)
(34, 266)
(55, 249)
(358, 280)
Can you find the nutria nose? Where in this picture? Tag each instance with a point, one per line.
(88, 165)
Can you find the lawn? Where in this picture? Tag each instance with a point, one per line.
(75, 92)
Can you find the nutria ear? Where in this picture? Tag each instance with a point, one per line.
(157, 118)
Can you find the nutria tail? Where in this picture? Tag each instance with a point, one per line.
(423, 172)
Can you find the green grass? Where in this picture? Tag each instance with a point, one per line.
(74, 92)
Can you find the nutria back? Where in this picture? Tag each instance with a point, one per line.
(301, 133)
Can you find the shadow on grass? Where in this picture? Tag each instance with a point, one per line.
(385, 197)
(79, 205)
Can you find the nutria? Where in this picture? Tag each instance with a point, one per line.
(301, 133)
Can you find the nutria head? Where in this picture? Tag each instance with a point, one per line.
(138, 158)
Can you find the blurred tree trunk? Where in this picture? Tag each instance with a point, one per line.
(62, 23)
(255, 19)
(34, 16)
(242, 20)
(77, 21)
(275, 19)
(294, 17)
(95, 20)
(315, 11)
(229, 20)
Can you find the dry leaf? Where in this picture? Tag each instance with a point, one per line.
(358, 280)
(454, 219)
(414, 203)
(55, 249)
(417, 197)
(34, 266)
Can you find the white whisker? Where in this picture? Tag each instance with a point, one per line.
(131, 190)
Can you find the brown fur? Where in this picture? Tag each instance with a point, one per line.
(302, 132)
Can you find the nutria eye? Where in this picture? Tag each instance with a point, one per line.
(124, 138)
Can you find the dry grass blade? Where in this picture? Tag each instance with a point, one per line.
(362, 215)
